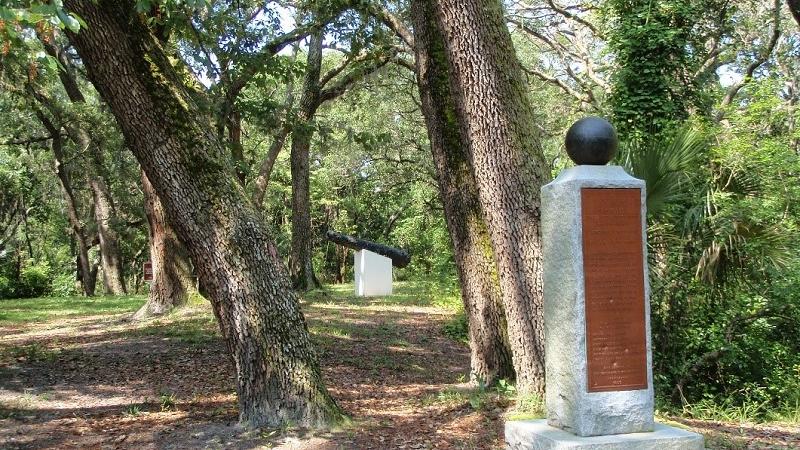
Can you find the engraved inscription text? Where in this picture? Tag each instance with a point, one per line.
(616, 349)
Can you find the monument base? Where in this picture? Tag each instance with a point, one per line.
(537, 435)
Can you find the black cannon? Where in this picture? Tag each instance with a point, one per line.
(400, 258)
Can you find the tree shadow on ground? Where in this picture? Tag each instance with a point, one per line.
(105, 382)
(744, 436)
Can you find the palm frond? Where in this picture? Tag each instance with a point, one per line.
(665, 166)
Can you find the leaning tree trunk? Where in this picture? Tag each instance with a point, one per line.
(278, 139)
(113, 279)
(301, 258)
(172, 270)
(85, 273)
(480, 290)
(265, 171)
(794, 8)
(278, 380)
(497, 122)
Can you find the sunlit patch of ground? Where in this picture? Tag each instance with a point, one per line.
(73, 378)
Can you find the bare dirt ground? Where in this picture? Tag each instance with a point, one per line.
(105, 382)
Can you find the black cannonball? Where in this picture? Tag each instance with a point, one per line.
(592, 141)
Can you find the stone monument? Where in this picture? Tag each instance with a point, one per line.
(599, 382)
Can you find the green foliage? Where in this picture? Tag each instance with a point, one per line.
(132, 410)
(457, 328)
(479, 398)
(723, 270)
(34, 281)
(668, 167)
(657, 47)
(527, 407)
(34, 228)
(63, 285)
(168, 401)
(6, 288)
(36, 12)
(25, 279)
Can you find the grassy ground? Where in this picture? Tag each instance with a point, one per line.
(77, 373)
(48, 309)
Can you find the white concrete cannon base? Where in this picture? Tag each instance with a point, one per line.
(373, 274)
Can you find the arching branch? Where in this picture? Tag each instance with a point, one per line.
(756, 63)
(394, 23)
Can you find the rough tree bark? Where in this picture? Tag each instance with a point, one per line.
(498, 126)
(85, 273)
(104, 212)
(113, 280)
(794, 8)
(172, 270)
(278, 378)
(480, 290)
(300, 261)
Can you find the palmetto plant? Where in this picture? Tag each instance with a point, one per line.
(698, 207)
(712, 255)
(669, 167)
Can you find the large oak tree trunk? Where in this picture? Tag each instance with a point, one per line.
(497, 123)
(172, 270)
(480, 290)
(301, 258)
(278, 378)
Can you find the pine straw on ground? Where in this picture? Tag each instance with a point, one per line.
(166, 383)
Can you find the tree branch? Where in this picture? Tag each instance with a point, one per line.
(394, 23)
(344, 83)
(555, 81)
(31, 140)
(573, 17)
(794, 7)
(755, 64)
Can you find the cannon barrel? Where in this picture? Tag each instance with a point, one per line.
(400, 258)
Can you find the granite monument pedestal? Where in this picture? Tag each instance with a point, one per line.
(599, 380)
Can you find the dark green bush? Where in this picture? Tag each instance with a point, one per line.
(63, 285)
(34, 281)
(6, 289)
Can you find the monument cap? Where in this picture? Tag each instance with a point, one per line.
(591, 141)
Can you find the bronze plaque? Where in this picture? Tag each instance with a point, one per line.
(616, 344)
